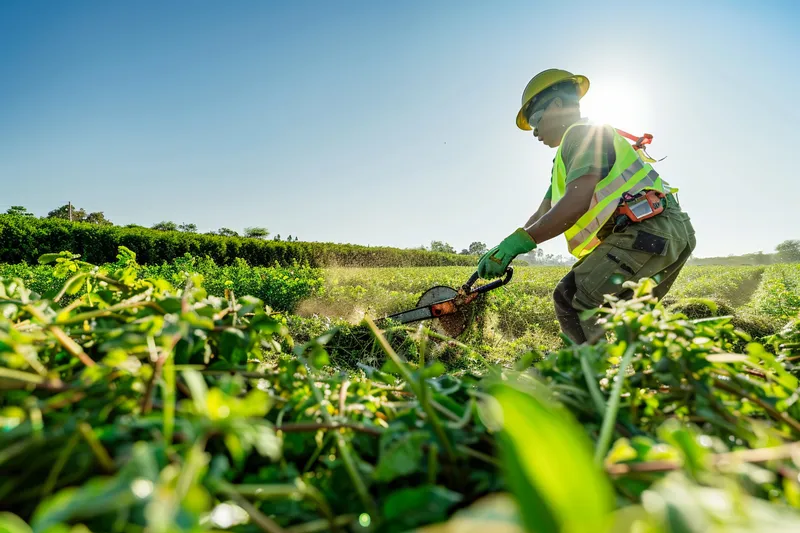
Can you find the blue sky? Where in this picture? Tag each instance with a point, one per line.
(388, 123)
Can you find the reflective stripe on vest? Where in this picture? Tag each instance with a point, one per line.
(629, 174)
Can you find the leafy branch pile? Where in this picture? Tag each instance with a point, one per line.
(145, 406)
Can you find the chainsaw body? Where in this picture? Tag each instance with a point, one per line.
(448, 308)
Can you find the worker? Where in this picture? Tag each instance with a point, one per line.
(621, 220)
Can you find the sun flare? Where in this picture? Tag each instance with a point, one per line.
(618, 102)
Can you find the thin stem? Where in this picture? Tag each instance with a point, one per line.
(317, 526)
(97, 448)
(136, 301)
(759, 455)
(433, 463)
(264, 522)
(343, 396)
(478, 455)
(70, 345)
(19, 375)
(52, 477)
(147, 400)
(344, 452)
(417, 388)
(610, 417)
(459, 344)
(300, 427)
(777, 415)
(591, 384)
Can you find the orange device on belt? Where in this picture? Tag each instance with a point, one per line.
(641, 207)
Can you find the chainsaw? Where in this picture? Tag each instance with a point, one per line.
(448, 308)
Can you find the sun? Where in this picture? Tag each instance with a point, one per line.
(618, 102)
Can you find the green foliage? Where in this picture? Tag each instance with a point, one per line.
(188, 228)
(165, 225)
(78, 215)
(18, 210)
(280, 288)
(227, 232)
(477, 248)
(443, 247)
(548, 461)
(256, 233)
(779, 293)
(146, 403)
(24, 239)
(789, 251)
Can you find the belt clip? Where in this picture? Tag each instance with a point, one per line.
(621, 223)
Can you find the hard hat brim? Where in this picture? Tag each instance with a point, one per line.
(583, 86)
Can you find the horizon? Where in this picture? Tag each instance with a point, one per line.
(212, 116)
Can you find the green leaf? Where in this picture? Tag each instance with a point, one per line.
(620, 451)
(547, 460)
(376, 375)
(684, 507)
(727, 357)
(198, 388)
(318, 357)
(407, 508)
(48, 258)
(232, 345)
(11, 523)
(74, 285)
(101, 495)
(401, 455)
(685, 439)
(234, 446)
(434, 370)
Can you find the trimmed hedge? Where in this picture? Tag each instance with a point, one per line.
(24, 239)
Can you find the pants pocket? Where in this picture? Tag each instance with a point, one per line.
(622, 257)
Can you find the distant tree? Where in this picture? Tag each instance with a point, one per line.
(289, 239)
(227, 232)
(98, 218)
(477, 248)
(165, 225)
(760, 258)
(19, 211)
(188, 228)
(789, 251)
(439, 246)
(256, 233)
(463, 251)
(78, 215)
(277, 237)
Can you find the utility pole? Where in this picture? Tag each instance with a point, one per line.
(70, 211)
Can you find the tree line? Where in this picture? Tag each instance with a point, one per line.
(76, 214)
(536, 257)
(24, 239)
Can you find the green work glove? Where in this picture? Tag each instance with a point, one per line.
(493, 264)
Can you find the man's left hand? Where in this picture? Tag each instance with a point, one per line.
(493, 263)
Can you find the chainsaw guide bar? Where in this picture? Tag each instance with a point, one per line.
(450, 310)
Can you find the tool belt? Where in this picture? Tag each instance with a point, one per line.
(634, 208)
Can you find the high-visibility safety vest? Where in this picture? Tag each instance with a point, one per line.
(629, 174)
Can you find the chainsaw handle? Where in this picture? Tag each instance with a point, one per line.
(489, 286)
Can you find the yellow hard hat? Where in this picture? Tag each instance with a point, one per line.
(540, 82)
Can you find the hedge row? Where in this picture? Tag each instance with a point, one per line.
(24, 239)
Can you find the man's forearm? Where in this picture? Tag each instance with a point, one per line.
(566, 212)
(555, 222)
(544, 207)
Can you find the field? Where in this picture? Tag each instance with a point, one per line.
(189, 396)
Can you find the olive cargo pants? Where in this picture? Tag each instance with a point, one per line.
(655, 248)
